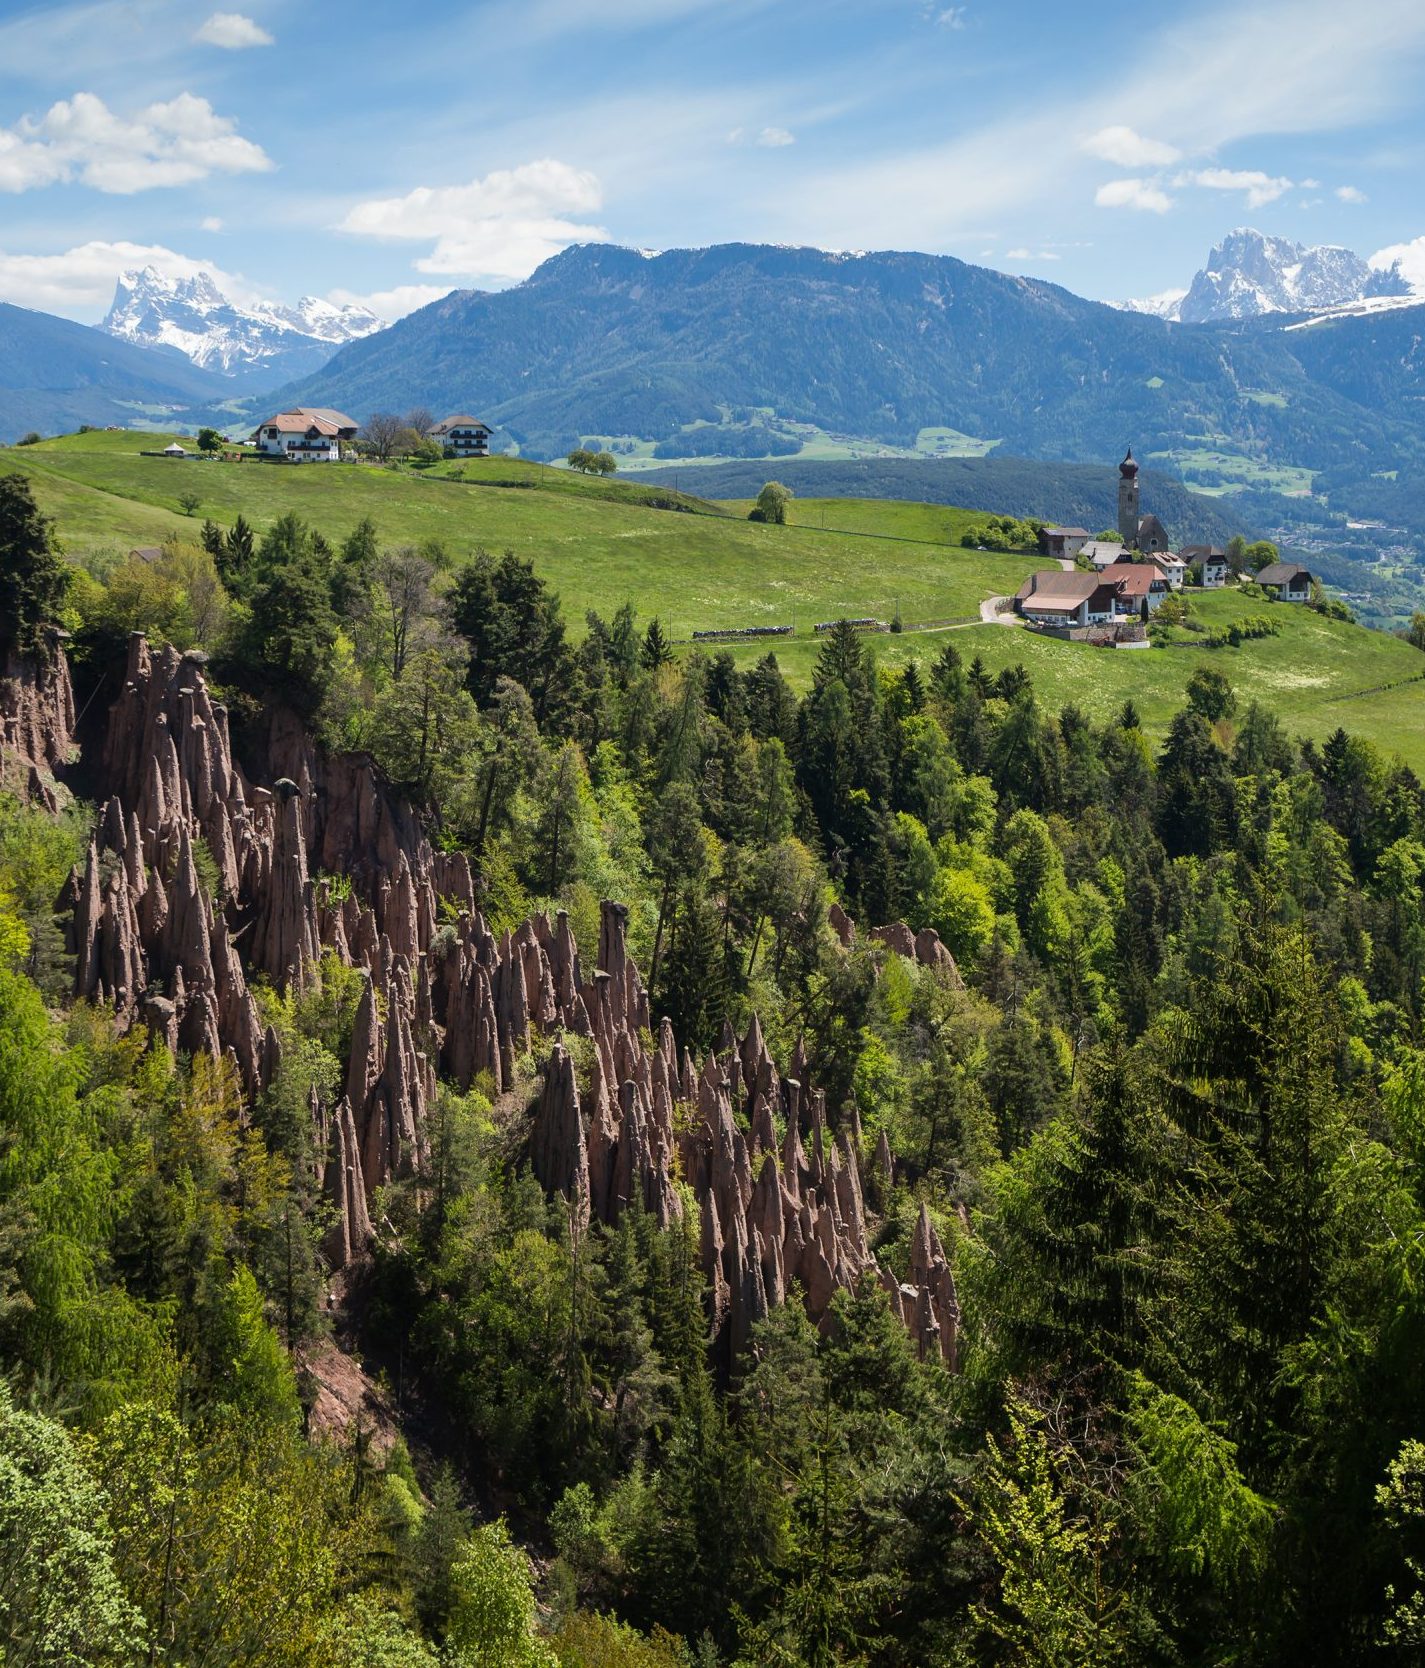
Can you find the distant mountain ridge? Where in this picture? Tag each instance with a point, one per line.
(55, 375)
(262, 341)
(1250, 274)
(610, 342)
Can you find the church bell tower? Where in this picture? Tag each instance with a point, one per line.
(1128, 500)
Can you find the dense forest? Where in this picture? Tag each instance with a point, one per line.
(1116, 1152)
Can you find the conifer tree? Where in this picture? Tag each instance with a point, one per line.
(34, 577)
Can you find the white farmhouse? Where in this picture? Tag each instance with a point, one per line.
(462, 437)
(307, 435)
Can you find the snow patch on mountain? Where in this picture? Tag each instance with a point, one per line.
(1164, 305)
(1250, 274)
(194, 316)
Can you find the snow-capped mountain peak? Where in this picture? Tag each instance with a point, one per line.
(1164, 305)
(194, 316)
(1251, 273)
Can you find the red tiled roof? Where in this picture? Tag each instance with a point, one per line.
(1137, 580)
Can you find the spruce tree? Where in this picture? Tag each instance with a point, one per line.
(655, 651)
(34, 577)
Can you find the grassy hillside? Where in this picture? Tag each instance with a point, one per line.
(1316, 675)
(601, 543)
(1076, 494)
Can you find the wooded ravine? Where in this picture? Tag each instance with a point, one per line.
(524, 1151)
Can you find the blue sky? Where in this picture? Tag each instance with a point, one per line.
(390, 153)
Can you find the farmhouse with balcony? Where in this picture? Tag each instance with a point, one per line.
(1208, 563)
(1172, 568)
(1287, 581)
(462, 437)
(308, 434)
(1141, 587)
(1052, 598)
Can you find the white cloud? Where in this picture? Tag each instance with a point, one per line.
(80, 282)
(769, 138)
(498, 228)
(1330, 66)
(1258, 187)
(1351, 194)
(1409, 257)
(164, 144)
(1016, 254)
(1127, 149)
(391, 304)
(232, 31)
(951, 17)
(211, 223)
(1133, 194)
(1309, 185)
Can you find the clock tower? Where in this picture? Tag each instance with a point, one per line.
(1128, 500)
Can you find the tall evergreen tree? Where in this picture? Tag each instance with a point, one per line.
(34, 577)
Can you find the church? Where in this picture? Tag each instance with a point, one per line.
(1138, 532)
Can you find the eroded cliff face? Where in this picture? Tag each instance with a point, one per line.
(620, 1115)
(36, 720)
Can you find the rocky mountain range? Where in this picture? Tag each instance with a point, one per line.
(1249, 275)
(264, 342)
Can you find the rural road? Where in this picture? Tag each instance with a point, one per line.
(990, 611)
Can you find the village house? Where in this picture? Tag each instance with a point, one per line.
(308, 434)
(1103, 553)
(1053, 597)
(1287, 581)
(1140, 590)
(346, 427)
(462, 437)
(1172, 568)
(1208, 564)
(1063, 543)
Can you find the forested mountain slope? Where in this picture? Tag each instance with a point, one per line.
(55, 374)
(896, 1176)
(608, 341)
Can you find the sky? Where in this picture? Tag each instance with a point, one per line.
(387, 154)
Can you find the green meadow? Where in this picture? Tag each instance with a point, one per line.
(703, 566)
(1317, 674)
(599, 543)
